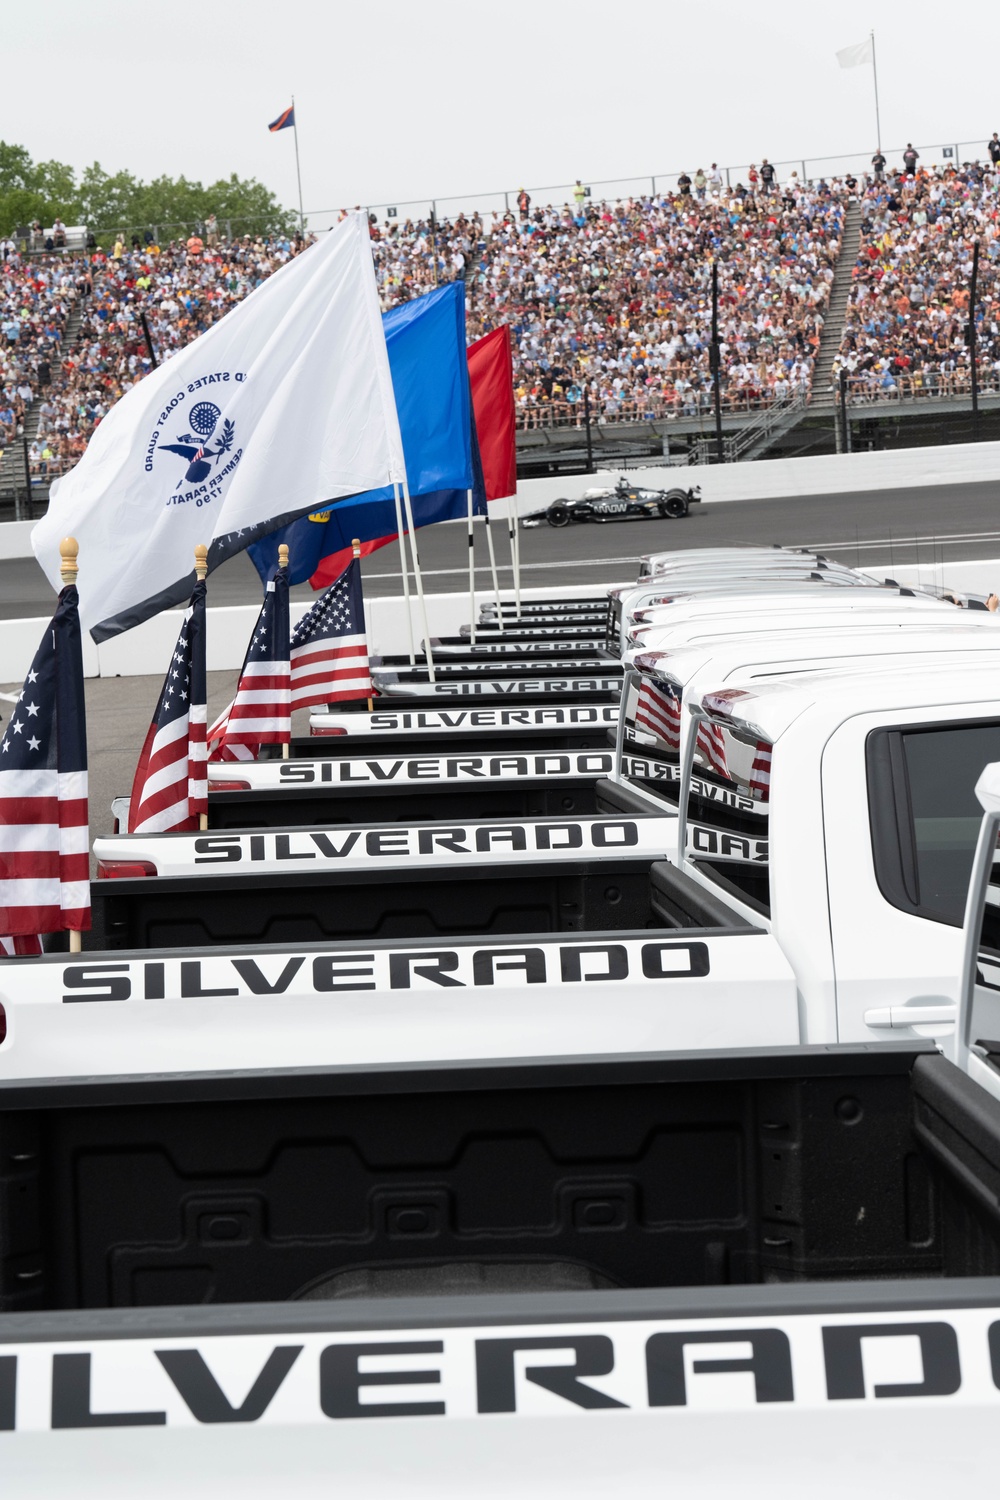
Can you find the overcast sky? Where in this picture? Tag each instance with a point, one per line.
(407, 101)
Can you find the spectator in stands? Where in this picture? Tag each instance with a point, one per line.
(684, 185)
(878, 164)
(59, 234)
(993, 147)
(767, 175)
(715, 181)
(523, 203)
(579, 195)
(700, 183)
(910, 159)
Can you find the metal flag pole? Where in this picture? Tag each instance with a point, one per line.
(878, 127)
(493, 565)
(283, 563)
(472, 574)
(515, 553)
(356, 550)
(400, 537)
(298, 173)
(418, 579)
(201, 573)
(69, 551)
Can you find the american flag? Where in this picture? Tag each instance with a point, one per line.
(44, 841)
(170, 788)
(261, 712)
(330, 648)
(760, 771)
(712, 745)
(660, 713)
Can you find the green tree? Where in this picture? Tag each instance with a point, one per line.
(111, 202)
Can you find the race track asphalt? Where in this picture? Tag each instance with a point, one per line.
(933, 524)
(886, 528)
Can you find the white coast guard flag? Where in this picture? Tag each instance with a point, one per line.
(279, 408)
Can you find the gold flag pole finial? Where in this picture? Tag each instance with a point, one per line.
(69, 551)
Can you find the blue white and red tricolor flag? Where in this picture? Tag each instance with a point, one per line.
(170, 788)
(284, 120)
(44, 839)
(330, 648)
(261, 712)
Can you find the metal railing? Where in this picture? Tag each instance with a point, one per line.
(560, 414)
(807, 169)
(920, 385)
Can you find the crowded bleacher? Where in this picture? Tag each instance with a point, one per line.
(609, 302)
(907, 318)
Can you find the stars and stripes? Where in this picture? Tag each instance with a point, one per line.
(330, 649)
(170, 789)
(760, 771)
(44, 839)
(711, 744)
(261, 712)
(659, 711)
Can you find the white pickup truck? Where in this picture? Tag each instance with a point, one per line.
(248, 1275)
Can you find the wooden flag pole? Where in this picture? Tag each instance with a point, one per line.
(356, 549)
(201, 573)
(472, 575)
(406, 574)
(283, 563)
(69, 551)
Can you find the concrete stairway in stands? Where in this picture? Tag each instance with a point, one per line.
(823, 394)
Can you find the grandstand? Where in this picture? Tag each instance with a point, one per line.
(610, 308)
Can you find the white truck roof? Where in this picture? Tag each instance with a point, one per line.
(769, 708)
(717, 618)
(783, 653)
(702, 627)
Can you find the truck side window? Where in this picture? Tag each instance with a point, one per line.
(924, 814)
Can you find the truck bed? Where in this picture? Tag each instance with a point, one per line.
(671, 1171)
(585, 895)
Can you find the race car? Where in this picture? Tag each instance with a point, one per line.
(626, 502)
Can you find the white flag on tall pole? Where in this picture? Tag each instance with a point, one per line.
(853, 57)
(281, 407)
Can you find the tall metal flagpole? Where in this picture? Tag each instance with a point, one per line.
(878, 127)
(408, 506)
(472, 574)
(298, 173)
(400, 536)
(493, 566)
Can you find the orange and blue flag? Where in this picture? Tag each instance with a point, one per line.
(284, 120)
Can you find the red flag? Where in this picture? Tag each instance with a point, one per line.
(491, 372)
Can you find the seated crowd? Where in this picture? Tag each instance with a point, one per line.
(614, 300)
(609, 304)
(907, 318)
(181, 287)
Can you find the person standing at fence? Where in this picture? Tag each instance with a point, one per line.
(767, 175)
(523, 204)
(878, 165)
(910, 159)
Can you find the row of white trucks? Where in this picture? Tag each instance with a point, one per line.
(621, 1046)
